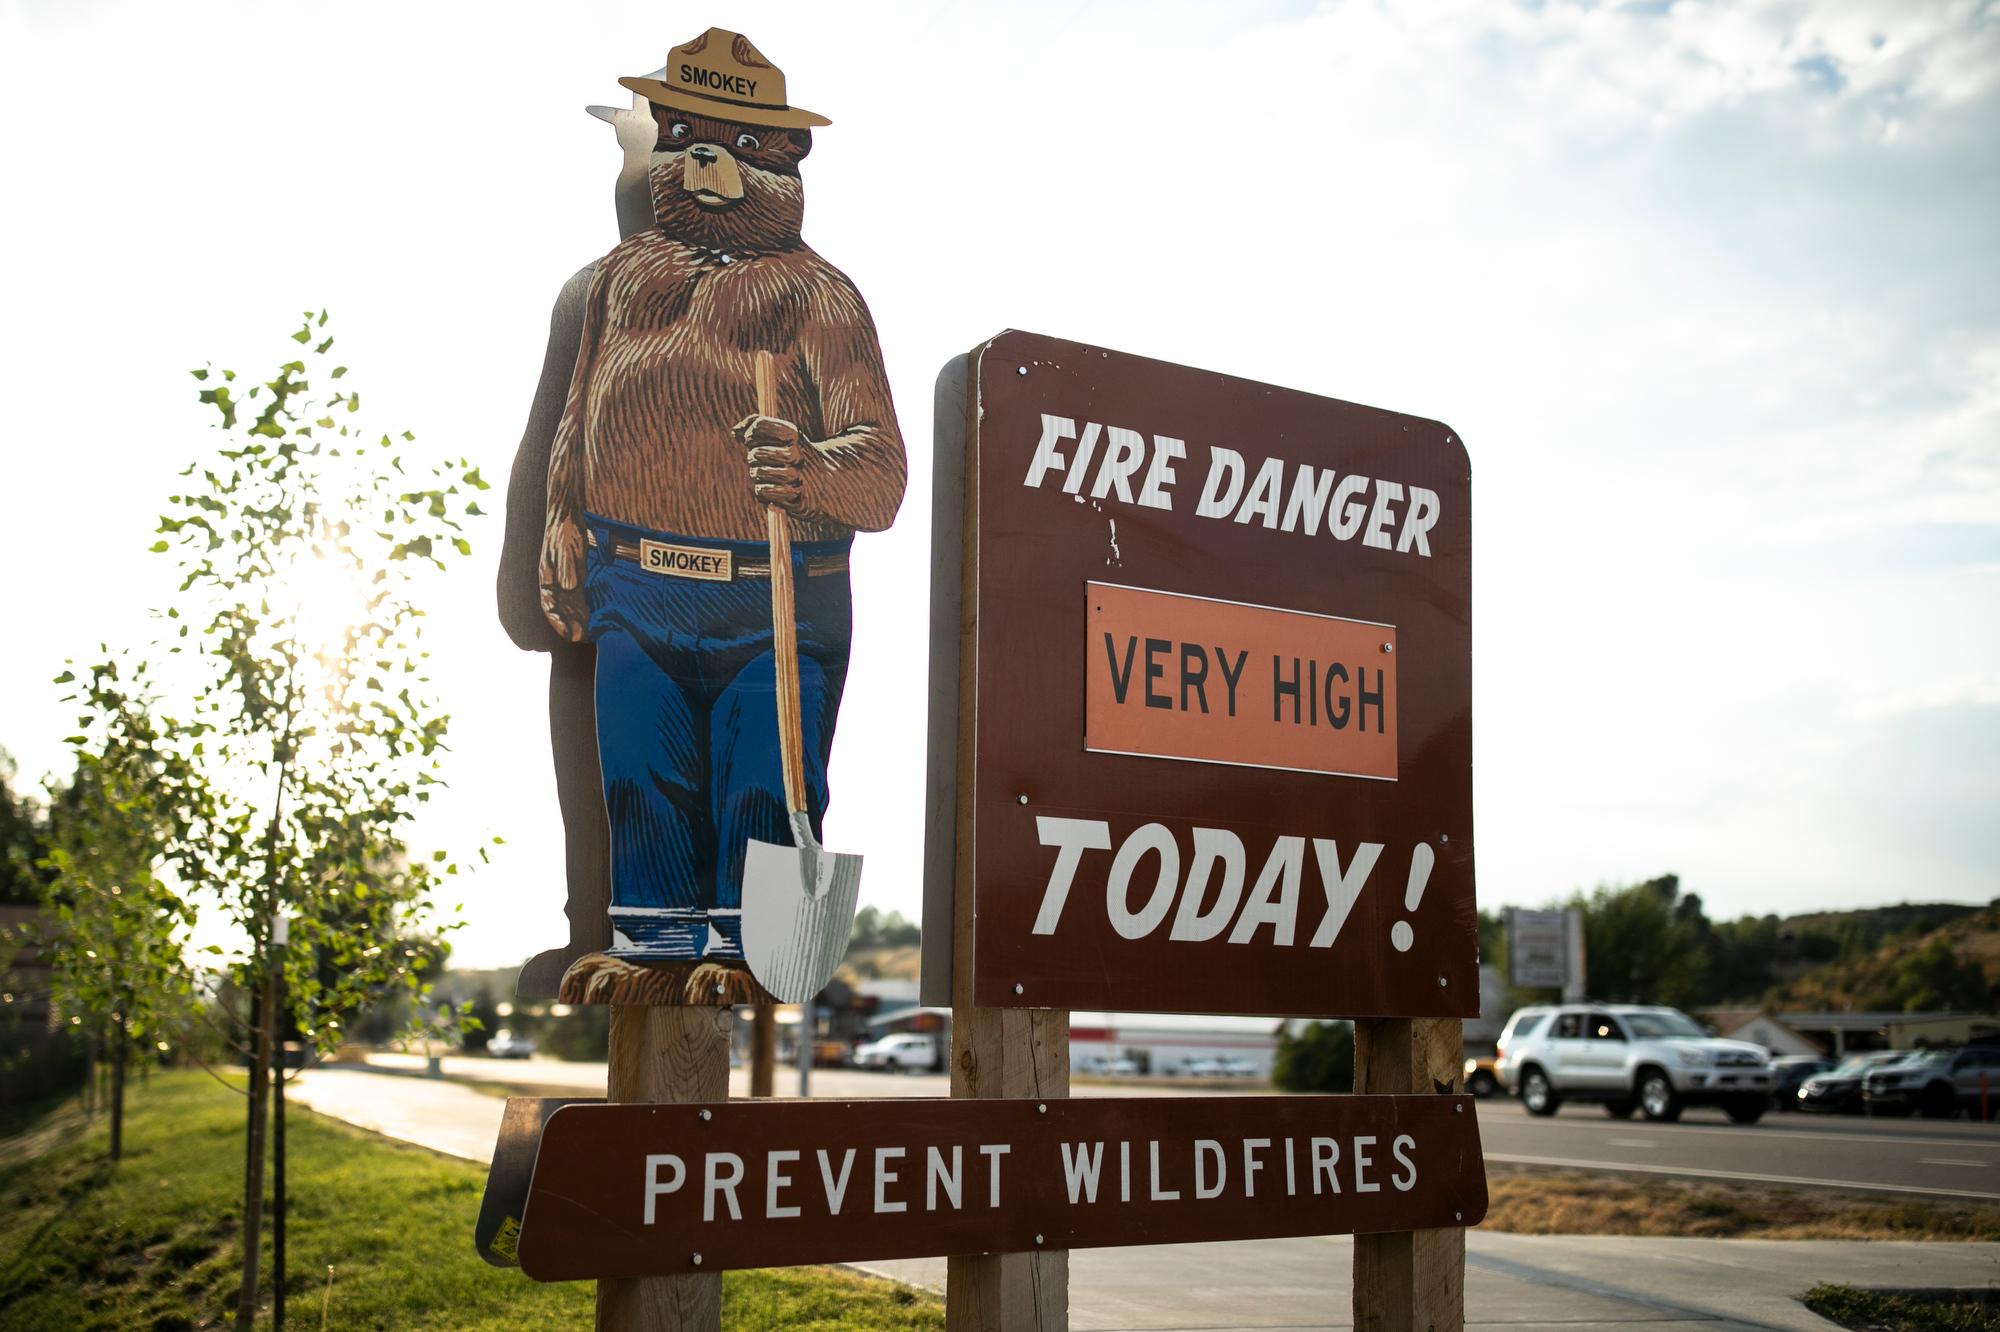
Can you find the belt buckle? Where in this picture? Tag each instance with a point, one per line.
(671, 561)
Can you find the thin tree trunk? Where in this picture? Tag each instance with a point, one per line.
(249, 1103)
(278, 1172)
(763, 1050)
(123, 1038)
(253, 1177)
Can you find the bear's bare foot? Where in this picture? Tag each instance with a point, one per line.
(597, 978)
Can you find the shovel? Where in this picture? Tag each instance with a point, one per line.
(798, 900)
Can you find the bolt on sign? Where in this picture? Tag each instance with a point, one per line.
(1212, 740)
(667, 1190)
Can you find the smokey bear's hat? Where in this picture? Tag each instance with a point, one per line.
(720, 74)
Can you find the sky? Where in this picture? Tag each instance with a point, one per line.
(1710, 290)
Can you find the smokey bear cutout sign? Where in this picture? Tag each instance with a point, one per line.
(726, 430)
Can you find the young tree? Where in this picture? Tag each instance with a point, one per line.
(1645, 943)
(301, 543)
(112, 928)
(1317, 1057)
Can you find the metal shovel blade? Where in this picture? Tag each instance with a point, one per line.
(798, 912)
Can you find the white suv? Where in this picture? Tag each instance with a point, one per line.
(1629, 1057)
(904, 1052)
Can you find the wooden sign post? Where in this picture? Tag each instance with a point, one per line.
(1409, 1281)
(662, 1055)
(995, 1051)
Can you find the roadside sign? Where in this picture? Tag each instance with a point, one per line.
(1546, 948)
(656, 1190)
(1210, 748)
(1537, 951)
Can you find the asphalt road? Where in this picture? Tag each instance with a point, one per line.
(1952, 1159)
(1956, 1159)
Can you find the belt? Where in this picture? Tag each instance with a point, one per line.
(707, 563)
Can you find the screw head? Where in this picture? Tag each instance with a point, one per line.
(1443, 982)
(1022, 798)
(1444, 837)
(718, 987)
(1020, 988)
(1388, 647)
(1042, 1108)
(1021, 370)
(1038, 1239)
(1459, 1108)
(1458, 1216)
(695, 1258)
(707, 1115)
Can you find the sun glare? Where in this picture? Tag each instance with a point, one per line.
(330, 601)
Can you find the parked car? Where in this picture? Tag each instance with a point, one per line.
(1236, 1067)
(1108, 1066)
(1838, 1090)
(1629, 1057)
(1936, 1083)
(1480, 1079)
(830, 1054)
(1789, 1072)
(904, 1052)
(506, 1045)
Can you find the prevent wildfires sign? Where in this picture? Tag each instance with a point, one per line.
(1217, 751)
(629, 1190)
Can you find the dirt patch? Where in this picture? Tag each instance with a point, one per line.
(1563, 1202)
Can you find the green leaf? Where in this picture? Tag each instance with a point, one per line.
(157, 547)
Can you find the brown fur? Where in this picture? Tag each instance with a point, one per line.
(599, 979)
(654, 429)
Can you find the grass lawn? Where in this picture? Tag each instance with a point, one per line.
(153, 1242)
(1905, 1311)
(1567, 1202)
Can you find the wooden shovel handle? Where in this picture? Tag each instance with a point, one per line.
(784, 617)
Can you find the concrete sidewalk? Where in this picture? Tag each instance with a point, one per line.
(1576, 1283)
(1515, 1281)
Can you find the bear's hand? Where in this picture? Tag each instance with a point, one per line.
(775, 455)
(562, 578)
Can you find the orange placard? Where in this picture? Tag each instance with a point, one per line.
(1173, 676)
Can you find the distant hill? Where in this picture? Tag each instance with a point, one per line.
(1903, 958)
(899, 962)
(1872, 926)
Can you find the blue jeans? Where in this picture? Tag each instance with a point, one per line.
(687, 730)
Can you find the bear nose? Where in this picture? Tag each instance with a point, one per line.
(702, 153)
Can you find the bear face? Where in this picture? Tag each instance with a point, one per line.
(728, 186)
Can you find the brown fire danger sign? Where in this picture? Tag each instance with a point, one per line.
(647, 1190)
(1219, 693)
